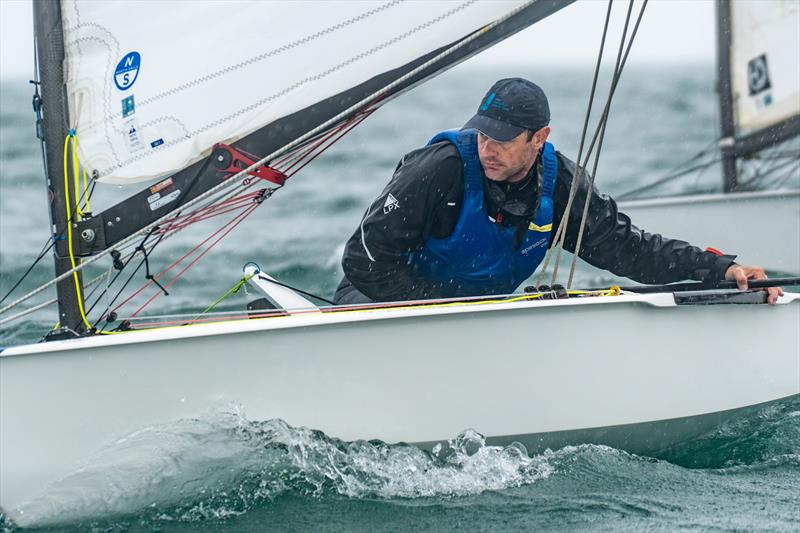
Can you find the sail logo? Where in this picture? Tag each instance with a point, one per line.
(127, 71)
(390, 204)
(758, 75)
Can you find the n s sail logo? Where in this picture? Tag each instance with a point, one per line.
(127, 70)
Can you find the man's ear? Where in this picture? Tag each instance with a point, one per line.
(541, 135)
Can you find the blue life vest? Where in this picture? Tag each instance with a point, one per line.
(479, 257)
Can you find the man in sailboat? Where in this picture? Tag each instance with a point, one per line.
(474, 211)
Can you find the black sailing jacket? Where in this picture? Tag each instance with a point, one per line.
(424, 198)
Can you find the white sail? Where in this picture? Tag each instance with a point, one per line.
(152, 86)
(765, 62)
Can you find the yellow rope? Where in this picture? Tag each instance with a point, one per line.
(69, 137)
(230, 291)
(612, 291)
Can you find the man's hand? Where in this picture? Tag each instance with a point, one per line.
(741, 273)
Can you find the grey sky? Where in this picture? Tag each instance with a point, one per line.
(672, 31)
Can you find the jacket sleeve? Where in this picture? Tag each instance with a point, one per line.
(375, 258)
(612, 242)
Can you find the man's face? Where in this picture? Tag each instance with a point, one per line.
(511, 160)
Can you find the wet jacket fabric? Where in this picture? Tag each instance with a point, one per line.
(482, 256)
(424, 199)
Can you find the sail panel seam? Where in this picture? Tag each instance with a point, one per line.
(296, 85)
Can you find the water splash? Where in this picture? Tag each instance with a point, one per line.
(222, 464)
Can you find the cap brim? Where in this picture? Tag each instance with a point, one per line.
(496, 129)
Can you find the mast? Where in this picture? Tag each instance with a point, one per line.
(725, 92)
(50, 51)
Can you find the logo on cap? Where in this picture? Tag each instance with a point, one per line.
(493, 101)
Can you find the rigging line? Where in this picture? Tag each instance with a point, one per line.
(48, 302)
(578, 171)
(105, 312)
(296, 156)
(162, 236)
(614, 83)
(236, 178)
(782, 181)
(774, 168)
(666, 179)
(219, 208)
(581, 165)
(332, 141)
(676, 172)
(174, 264)
(28, 311)
(604, 115)
(593, 175)
(46, 248)
(234, 222)
(330, 138)
(37, 103)
(48, 245)
(138, 250)
(233, 290)
(129, 257)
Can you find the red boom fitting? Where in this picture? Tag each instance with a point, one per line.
(230, 161)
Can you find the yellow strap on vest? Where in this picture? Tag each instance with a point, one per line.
(546, 227)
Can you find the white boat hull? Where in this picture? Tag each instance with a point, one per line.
(763, 228)
(416, 375)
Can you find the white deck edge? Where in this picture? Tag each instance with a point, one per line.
(318, 318)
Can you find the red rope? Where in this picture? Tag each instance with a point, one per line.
(174, 264)
(207, 212)
(305, 155)
(230, 226)
(342, 134)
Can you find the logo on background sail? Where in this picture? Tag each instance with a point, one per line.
(390, 204)
(127, 71)
(758, 75)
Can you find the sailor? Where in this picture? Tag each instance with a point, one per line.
(474, 211)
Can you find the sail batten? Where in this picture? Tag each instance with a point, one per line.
(144, 111)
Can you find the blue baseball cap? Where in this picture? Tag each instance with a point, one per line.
(511, 106)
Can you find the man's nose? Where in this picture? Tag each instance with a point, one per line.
(490, 147)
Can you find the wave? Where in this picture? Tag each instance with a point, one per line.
(223, 465)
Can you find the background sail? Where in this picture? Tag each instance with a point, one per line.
(151, 87)
(765, 68)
